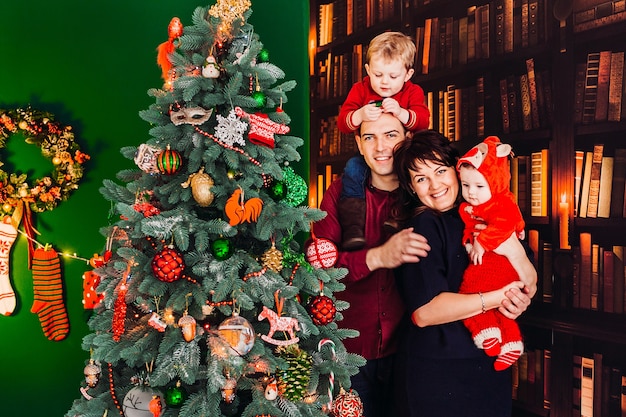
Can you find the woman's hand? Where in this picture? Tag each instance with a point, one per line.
(403, 247)
(516, 300)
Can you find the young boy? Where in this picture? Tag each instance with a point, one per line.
(485, 177)
(386, 89)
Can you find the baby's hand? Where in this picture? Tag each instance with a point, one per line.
(370, 112)
(476, 254)
(391, 105)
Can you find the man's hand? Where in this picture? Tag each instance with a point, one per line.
(403, 247)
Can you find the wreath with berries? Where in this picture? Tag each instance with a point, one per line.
(57, 144)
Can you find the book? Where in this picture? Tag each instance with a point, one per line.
(533, 245)
(498, 10)
(426, 49)
(602, 93)
(587, 385)
(579, 91)
(619, 183)
(576, 276)
(606, 184)
(547, 275)
(579, 157)
(533, 23)
(596, 13)
(504, 106)
(594, 182)
(585, 271)
(524, 25)
(480, 106)
(584, 188)
(462, 51)
(618, 279)
(614, 405)
(591, 87)
(608, 283)
(539, 183)
(596, 258)
(483, 42)
(576, 384)
(471, 33)
(515, 104)
(507, 12)
(623, 402)
(616, 80)
(524, 93)
(523, 184)
(532, 91)
(547, 379)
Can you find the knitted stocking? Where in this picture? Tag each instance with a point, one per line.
(8, 233)
(48, 291)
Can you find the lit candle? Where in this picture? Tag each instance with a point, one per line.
(564, 223)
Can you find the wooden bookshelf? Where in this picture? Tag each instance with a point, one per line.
(514, 77)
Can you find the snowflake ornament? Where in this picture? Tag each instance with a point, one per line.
(230, 129)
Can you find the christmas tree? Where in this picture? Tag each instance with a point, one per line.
(206, 301)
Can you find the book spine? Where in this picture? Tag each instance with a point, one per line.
(591, 87)
(515, 105)
(585, 271)
(616, 80)
(606, 184)
(607, 281)
(594, 182)
(579, 92)
(527, 122)
(578, 174)
(602, 93)
(504, 105)
(532, 91)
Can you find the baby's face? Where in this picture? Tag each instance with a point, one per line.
(474, 187)
(387, 76)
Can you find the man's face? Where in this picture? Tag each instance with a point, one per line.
(376, 142)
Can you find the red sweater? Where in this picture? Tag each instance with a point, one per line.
(411, 98)
(376, 308)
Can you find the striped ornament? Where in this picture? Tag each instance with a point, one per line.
(168, 161)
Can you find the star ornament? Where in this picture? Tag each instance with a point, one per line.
(229, 10)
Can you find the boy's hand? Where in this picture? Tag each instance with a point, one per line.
(370, 112)
(391, 105)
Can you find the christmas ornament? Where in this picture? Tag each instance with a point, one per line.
(168, 265)
(238, 334)
(120, 306)
(230, 129)
(259, 98)
(322, 309)
(273, 259)
(157, 322)
(221, 248)
(201, 184)
(48, 290)
(146, 158)
(175, 395)
(155, 406)
(263, 56)
(293, 381)
(96, 261)
(8, 234)
(229, 10)
(321, 253)
(210, 69)
(262, 128)
(92, 373)
(187, 325)
(297, 189)
(271, 390)
(228, 390)
(281, 324)
(347, 404)
(168, 161)
(239, 212)
(174, 31)
(189, 115)
(137, 401)
(331, 374)
(146, 208)
(277, 190)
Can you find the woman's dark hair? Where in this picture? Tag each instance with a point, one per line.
(426, 145)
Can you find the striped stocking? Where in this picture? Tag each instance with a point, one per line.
(8, 233)
(48, 291)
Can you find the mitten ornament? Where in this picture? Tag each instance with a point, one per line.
(8, 233)
(48, 294)
(262, 128)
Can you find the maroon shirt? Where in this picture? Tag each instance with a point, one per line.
(376, 308)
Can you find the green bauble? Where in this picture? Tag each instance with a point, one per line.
(297, 189)
(175, 396)
(264, 55)
(278, 190)
(259, 97)
(221, 248)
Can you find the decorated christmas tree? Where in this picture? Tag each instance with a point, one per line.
(211, 296)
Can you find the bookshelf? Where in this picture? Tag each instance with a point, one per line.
(545, 76)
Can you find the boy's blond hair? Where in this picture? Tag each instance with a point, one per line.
(391, 46)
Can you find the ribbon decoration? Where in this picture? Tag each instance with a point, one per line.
(331, 375)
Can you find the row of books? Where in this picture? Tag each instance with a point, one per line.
(599, 389)
(599, 88)
(332, 141)
(458, 112)
(340, 18)
(590, 14)
(600, 183)
(530, 182)
(531, 378)
(495, 28)
(598, 280)
(336, 73)
(526, 100)
(324, 179)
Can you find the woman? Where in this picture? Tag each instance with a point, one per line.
(446, 374)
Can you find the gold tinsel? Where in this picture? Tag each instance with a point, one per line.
(229, 10)
(273, 259)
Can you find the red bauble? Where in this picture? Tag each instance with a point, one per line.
(347, 404)
(168, 265)
(322, 310)
(169, 161)
(321, 253)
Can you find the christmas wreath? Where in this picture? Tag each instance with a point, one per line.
(57, 144)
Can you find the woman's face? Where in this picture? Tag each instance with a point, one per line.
(435, 185)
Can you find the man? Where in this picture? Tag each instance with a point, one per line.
(376, 309)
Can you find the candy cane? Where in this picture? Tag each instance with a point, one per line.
(331, 375)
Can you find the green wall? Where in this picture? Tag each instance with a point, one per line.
(90, 63)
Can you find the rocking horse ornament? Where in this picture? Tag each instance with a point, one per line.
(279, 323)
